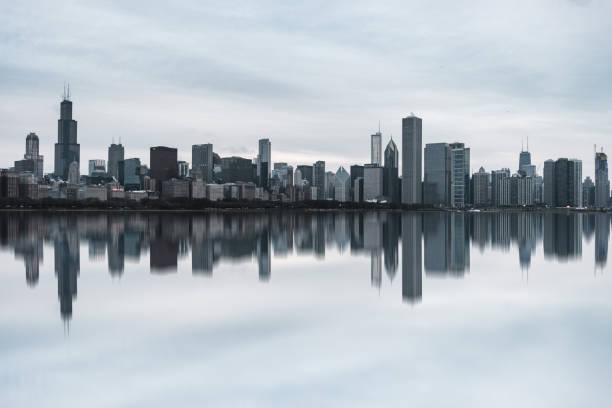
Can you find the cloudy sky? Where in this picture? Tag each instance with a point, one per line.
(315, 77)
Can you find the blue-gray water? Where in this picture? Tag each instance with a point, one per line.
(305, 310)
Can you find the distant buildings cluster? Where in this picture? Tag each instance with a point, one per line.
(443, 179)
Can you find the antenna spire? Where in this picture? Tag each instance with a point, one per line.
(527, 142)
(522, 144)
(379, 126)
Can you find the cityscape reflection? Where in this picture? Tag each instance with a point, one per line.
(439, 242)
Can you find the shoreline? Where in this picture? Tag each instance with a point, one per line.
(286, 208)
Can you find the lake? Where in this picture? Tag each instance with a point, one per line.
(305, 309)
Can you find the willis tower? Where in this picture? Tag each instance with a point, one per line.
(67, 150)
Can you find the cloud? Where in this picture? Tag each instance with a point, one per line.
(314, 77)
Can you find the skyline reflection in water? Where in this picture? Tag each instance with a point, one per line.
(437, 244)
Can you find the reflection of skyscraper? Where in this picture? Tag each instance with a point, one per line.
(263, 255)
(602, 236)
(412, 284)
(447, 249)
(526, 237)
(391, 233)
(67, 265)
(375, 268)
(563, 236)
(116, 257)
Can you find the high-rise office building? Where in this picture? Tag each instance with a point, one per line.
(549, 183)
(563, 182)
(234, 169)
(163, 161)
(481, 187)
(436, 183)
(602, 181)
(391, 177)
(202, 162)
(129, 174)
(264, 163)
(575, 182)
(460, 175)
(115, 155)
(376, 148)
(306, 172)
(33, 153)
(356, 172)
(67, 149)
(497, 177)
(319, 179)
(588, 192)
(373, 176)
(412, 153)
(32, 162)
(342, 187)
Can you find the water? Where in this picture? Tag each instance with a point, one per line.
(305, 310)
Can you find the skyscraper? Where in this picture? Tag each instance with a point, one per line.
(412, 142)
(318, 179)
(164, 166)
(32, 161)
(373, 179)
(202, 161)
(376, 148)
(264, 162)
(549, 183)
(561, 182)
(342, 188)
(481, 187)
(115, 155)
(67, 150)
(574, 182)
(459, 175)
(390, 177)
(436, 184)
(602, 181)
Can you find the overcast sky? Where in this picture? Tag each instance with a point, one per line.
(315, 77)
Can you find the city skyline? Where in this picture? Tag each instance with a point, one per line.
(465, 89)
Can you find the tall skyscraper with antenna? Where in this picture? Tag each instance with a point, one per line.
(116, 154)
(525, 157)
(67, 149)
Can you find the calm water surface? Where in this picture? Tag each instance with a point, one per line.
(305, 310)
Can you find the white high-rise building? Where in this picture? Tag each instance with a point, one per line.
(376, 148)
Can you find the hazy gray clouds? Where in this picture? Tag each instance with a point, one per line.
(315, 77)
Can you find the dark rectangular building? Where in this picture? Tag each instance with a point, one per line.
(164, 165)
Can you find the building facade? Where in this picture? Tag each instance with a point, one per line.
(202, 162)
(67, 148)
(602, 181)
(412, 153)
(391, 187)
(116, 153)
